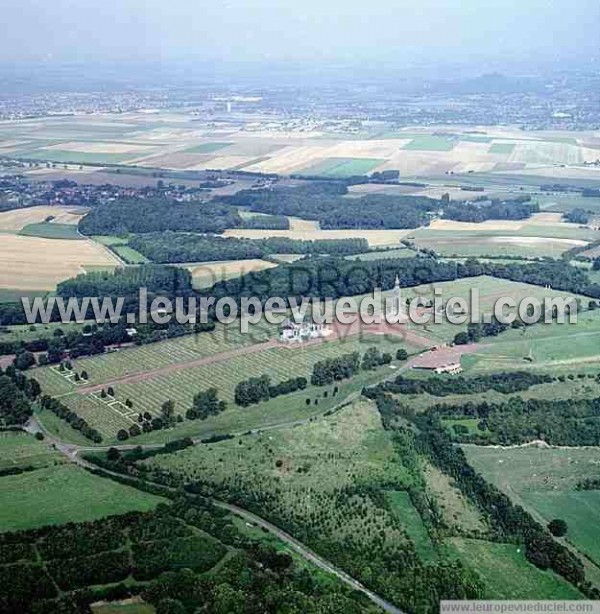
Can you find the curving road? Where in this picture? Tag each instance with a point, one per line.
(72, 451)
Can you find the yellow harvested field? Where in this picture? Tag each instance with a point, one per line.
(300, 225)
(517, 240)
(537, 219)
(207, 274)
(15, 220)
(376, 238)
(32, 263)
(99, 148)
(221, 162)
(290, 159)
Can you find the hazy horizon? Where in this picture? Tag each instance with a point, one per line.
(264, 30)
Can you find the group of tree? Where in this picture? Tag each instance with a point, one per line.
(266, 222)
(495, 209)
(257, 389)
(16, 394)
(206, 403)
(374, 358)
(335, 369)
(171, 247)
(577, 216)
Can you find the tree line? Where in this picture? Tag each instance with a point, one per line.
(573, 422)
(506, 383)
(257, 389)
(171, 247)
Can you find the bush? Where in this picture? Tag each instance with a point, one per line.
(558, 527)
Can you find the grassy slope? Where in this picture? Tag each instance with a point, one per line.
(507, 574)
(65, 493)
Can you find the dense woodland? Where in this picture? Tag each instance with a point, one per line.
(480, 211)
(124, 216)
(16, 394)
(573, 422)
(170, 247)
(180, 558)
(326, 202)
(334, 278)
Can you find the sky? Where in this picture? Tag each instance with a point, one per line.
(281, 30)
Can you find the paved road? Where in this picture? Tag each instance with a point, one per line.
(72, 452)
(292, 542)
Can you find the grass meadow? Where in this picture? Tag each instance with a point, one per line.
(507, 574)
(544, 481)
(64, 493)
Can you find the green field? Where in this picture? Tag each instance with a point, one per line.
(544, 480)
(568, 202)
(507, 574)
(564, 348)
(406, 512)
(342, 167)
(501, 148)
(65, 493)
(143, 358)
(50, 230)
(430, 142)
(130, 255)
(28, 332)
(109, 241)
(384, 254)
(489, 288)
(206, 148)
(19, 450)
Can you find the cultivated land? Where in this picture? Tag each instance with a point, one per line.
(376, 238)
(32, 263)
(175, 141)
(17, 219)
(544, 481)
(544, 234)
